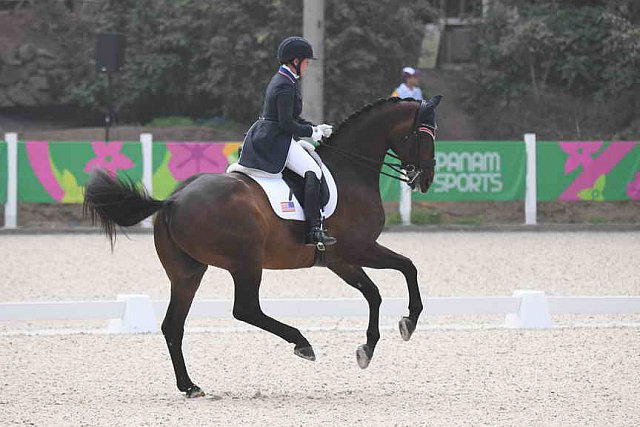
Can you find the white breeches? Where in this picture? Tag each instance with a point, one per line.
(300, 161)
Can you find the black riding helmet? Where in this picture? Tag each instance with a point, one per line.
(294, 47)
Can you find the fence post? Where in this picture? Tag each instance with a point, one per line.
(533, 313)
(138, 317)
(404, 206)
(11, 208)
(146, 139)
(531, 190)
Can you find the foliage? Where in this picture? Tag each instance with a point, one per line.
(171, 121)
(529, 52)
(367, 44)
(212, 57)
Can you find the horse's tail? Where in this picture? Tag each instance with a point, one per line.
(111, 201)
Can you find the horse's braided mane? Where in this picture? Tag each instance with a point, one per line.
(368, 107)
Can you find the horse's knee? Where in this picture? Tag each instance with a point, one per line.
(170, 330)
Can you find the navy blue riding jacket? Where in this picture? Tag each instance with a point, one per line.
(267, 142)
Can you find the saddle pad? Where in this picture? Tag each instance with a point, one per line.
(283, 202)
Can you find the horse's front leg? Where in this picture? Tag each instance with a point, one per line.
(377, 256)
(356, 277)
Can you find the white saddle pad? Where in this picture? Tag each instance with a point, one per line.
(283, 202)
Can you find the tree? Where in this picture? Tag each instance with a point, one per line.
(214, 57)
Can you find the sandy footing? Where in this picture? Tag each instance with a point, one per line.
(60, 267)
(563, 377)
(473, 376)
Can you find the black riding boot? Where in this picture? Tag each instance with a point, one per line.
(315, 235)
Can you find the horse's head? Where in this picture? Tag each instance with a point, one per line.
(414, 143)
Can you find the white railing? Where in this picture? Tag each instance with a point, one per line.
(138, 313)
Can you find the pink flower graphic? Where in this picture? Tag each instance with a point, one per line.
(580, 154)
(633, 188)
(108, 157)
(191, 158)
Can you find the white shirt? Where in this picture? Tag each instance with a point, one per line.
(403, 91)
(291, 71)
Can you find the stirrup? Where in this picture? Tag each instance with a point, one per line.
(319, 239)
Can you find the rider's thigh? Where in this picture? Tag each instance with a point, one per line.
(301, 162)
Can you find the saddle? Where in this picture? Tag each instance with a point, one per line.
(285, 191)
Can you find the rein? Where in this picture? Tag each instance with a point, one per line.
(375, 164)
(407, 171)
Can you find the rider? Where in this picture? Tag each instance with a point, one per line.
(272, 143)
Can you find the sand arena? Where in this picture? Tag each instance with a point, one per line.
(454, 371)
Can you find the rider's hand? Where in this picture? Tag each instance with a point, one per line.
(327, 130)
(317, 133)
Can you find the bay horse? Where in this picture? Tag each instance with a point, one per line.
(225, 220)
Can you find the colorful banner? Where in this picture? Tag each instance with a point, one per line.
(588, 170)
(55, 172)
(173, 162)
(3, 172)
(478, 170)
(50, 172)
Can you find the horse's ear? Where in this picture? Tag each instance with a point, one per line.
(433, 102)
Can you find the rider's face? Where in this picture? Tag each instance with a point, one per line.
(303, 66)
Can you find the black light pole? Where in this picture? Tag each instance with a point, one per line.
(109, 112)
(109, 59)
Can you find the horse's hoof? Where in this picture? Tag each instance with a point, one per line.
(194, 391)
(364, 353)
(305, 352)
(407, 326)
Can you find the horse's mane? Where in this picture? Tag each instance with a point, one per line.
(368, 107)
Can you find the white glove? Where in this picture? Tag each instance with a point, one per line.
(306, 145)
(327, 130)
(317, 133)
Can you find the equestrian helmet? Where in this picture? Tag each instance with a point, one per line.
(294, 47)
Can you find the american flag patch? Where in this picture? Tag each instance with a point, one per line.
(287, 207)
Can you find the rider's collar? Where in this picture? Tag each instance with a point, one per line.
(286, 71)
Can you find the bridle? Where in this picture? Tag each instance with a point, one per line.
(409, 172)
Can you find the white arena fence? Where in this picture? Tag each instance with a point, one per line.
(526, 309)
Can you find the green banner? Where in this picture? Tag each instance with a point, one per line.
(588, 170)
(50, 172)
(477, 170)
(57, 171)
(3, 172)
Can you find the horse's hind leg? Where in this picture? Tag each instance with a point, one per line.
(356, 277)
(182, 292)
(246, 307)
(185, 274)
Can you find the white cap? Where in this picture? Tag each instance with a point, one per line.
(409, 70)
